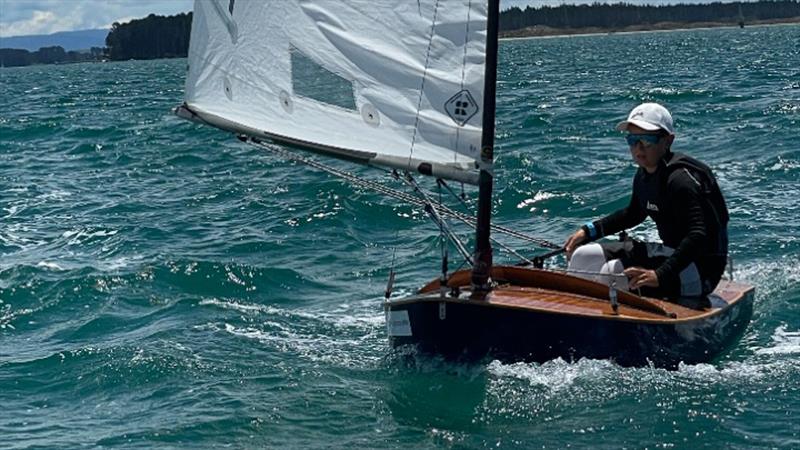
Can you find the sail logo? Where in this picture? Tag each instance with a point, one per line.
(461, 107)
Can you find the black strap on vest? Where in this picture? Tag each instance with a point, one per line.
(708, 185)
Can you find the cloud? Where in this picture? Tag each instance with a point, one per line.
(40, 22)
(23, 17)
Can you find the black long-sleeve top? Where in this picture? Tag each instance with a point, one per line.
(676, 200)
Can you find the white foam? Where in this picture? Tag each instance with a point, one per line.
(347, 329)
(363, 314)
(539, 196)
(10, 236)
(119, 263)
(8, 315)
(316, 347)
(343, 317)
(83, 234)
(784, 165)
(784, 343)
(242, 307)
(49, 265)
(57, 195)
(590, 378)
(555, 375)
(769, 277)
(12, 209)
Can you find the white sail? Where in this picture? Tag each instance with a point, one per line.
(395, 83)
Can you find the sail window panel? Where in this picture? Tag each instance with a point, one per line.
(311, 80)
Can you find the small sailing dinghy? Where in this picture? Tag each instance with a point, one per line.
(410, 86)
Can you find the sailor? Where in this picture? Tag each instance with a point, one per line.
(682, 197)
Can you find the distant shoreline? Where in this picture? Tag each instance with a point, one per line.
(541, 31)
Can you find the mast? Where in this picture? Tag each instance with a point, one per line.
(483, 247)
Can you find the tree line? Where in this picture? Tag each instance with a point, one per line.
(13, 57)
(150, 38)
(620, 15)
(168, 36)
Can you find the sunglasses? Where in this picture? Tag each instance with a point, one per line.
(646, 139)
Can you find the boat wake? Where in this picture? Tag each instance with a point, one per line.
(345, 334)
(784, 343)
(774, 362)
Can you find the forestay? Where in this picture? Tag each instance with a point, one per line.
(397, 84)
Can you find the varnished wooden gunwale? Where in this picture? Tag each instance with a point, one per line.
(558, 293)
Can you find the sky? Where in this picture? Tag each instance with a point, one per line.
(24, 17)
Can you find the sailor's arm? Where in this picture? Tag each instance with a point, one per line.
(625, 218)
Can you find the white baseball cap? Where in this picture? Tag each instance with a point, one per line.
(650, 117)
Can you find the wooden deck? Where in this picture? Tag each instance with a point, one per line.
(558, 293)
(537, 315)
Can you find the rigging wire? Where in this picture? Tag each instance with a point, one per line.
(443, 239)
(431, 210)
(462, 199)
(394, 193)
(390, 283)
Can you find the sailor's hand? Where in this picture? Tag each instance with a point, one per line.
(574, 241)
(639, 277)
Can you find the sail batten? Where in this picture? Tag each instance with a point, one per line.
(392, 80)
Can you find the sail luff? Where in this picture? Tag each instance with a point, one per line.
(483, 246)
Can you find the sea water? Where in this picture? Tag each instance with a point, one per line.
(163, 285)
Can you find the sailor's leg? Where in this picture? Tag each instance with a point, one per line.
(587, 261)
(688, 283)
(605, 264)
(691, 284)
(613, 274)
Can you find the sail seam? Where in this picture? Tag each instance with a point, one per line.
(230, 24)
(424, 76)
(466, 46)
(463, 73)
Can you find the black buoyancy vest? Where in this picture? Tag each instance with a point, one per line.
(653, 198)
(712, 195)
